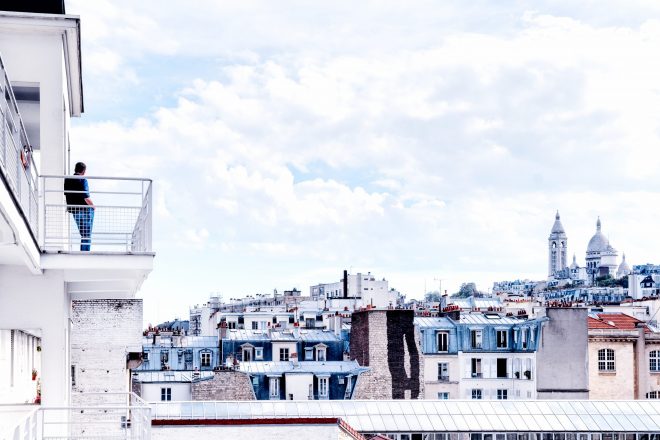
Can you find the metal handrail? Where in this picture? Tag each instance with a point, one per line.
(22, 180)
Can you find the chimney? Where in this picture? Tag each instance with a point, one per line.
(337, 324)
(345, 283)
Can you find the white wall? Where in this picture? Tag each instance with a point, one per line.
(248, 432)
(16, 365)
(489, 383)
(180, 391)
(298, 385)
(103, 332)
(40, 302)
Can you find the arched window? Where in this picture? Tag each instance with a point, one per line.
(606, 359)
(654, 360)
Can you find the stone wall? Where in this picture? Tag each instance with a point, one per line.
(102, 333)
(388, 343)
(562, 362)
(225, 385)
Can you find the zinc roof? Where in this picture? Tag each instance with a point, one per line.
(374, 416)
(302, 367)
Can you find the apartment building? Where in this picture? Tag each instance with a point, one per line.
(479, 356)
(624, 358)
(58, 302)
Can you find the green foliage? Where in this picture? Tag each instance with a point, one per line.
(467, 290)
(433, 297)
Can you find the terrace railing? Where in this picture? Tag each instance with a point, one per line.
(17, 165)
(120, 220)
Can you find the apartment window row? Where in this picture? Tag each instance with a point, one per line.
(478, 394)
(476, 339)
(323, 388)
(502, 368)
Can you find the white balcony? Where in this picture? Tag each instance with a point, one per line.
(111, 416)
(120, 221)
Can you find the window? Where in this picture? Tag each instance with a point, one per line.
(323, 387)
(206, 359)
(247, 354)
(443, 372)
(502, 338)
(443, 396)
(145, 356)
(476, 338)
(255, 325)
(502, 394)
(309, 354)
(476, 394)
(654, 360)
(654, 395)
(606, 359)
(73, 375)
(259, 353)
(284, 354)
(166, 394)
(320, 354)
(501, 368)
(231, 325)
(274, 388)
(523, 333)
(476, 367)
(443, 341)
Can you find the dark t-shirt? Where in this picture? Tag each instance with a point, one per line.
(76, 191)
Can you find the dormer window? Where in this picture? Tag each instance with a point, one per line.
(321, 352)
(443, 342)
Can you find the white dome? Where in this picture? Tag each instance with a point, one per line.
(624, 269)
(598, 243)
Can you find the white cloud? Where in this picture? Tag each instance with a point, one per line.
(425, 139)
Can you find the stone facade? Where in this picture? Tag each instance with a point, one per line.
(103, 332)
(562, 359)
(388, 343)
(225, 385)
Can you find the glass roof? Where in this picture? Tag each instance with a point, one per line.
(433, 415)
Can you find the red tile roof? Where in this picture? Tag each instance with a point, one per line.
(619, 321)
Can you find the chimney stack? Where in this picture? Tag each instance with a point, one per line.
(345, 283)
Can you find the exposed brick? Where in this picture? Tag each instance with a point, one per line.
(225, 385)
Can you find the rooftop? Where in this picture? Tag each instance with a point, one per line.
(314, 367)
(612, 321)
(282, 335)
(434, 415)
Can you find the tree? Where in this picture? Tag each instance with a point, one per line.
(433, 297)
(466, 290)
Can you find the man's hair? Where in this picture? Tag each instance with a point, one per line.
(80, 167)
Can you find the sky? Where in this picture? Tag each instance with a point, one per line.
(429, 143)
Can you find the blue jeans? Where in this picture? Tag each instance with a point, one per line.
(84, 218)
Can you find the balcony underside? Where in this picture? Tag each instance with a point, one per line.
(100, 275)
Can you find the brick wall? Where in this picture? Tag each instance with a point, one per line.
(388, 343)
(225, 385)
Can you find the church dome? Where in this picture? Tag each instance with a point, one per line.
(598, 243)
(624, 269)
(574, 265)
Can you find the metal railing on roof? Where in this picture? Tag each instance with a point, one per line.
(120, 221)
(17, 165)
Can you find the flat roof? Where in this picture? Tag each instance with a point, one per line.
(381, 416)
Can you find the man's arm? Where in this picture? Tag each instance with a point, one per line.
(88, 200)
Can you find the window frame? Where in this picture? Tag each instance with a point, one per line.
(477, 394)
(606, 360)
(476, 339)
(441, 377)
(165, 394)
(324, 387)
(503, 394)
(439, 346)
(654, 361)
(258, 353)
(209, 356)
(274, 388)
(474, 363)
(284, 354)
(505, 340)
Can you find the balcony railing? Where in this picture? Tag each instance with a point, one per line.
(16, 162)
(110, 416)
(119, 222)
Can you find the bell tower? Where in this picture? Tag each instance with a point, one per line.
(557, 245)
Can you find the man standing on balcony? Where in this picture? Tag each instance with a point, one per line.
(79, 204)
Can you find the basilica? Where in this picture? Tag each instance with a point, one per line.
(601, 257)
